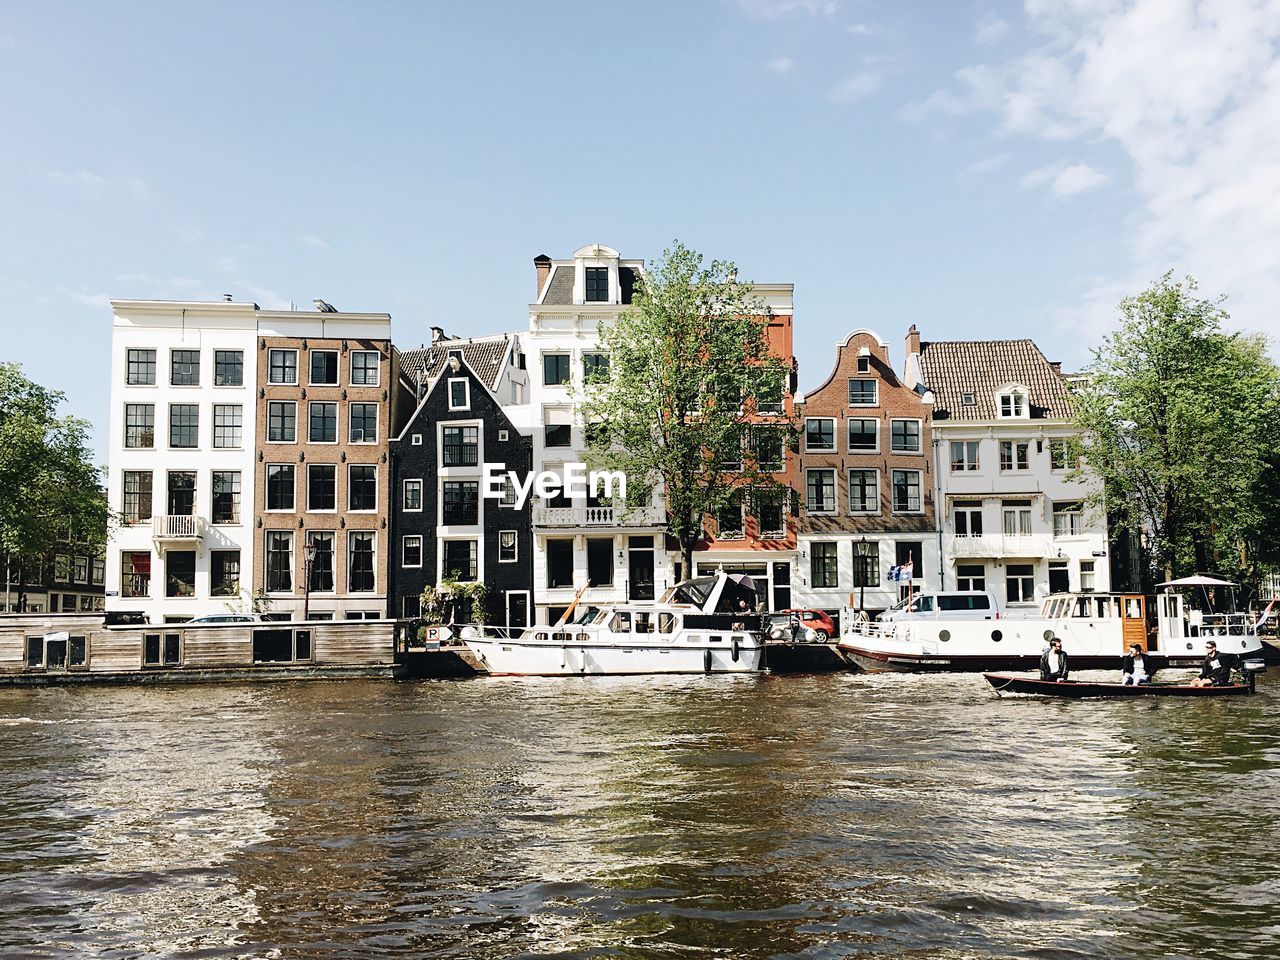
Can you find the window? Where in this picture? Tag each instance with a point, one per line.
(81, 570)
(971, 576)
(135, 573)
(364, 368)
(320, 557)
(322, 422)
(768, 449)
(411, 551)
(819, 435)
(1068, 519)
(461, 446)
(508, 492)
(226, 496)
(1017, 518)
(62, 568)
(322, 486)
(416, 439)
(507, 547)
(280, 488)
(866, 563)
(595, 367)
(228, 368)
(180, 573)
(363, 419)
(279, 561)
(731, 451)
(824, 570)
(184, 425)
(137, 496)
(362, 487)
(1059, 576)
(99, 571)
(1087, 582)
(820, 491)
(1014, 455)
(460, 559)
(324, 368)
(281, 644)
(184, 368)
(555, 369)
(1013, 404)
(139, 426)
(769, 396)
(770, 513)
(559, 563)
(1020, 583)
(597, 284)
(904, 436)
(182, 493)
(141, 368)
(600, 561)
(862, 393)
(228, 423)
(906, 491)
(964, 455)
(460, 503)
(161, 651)
(864, 364)
(558, 435)
(864, 435)
(968, 399)
(966, 517)
(1064, 454)
(224, 573)
(282, 416)
(282, 366)
(413, 495)
(459, 394)
(729, 519)
(864, 491)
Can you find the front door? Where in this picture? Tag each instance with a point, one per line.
(517, 609)
(640, 568)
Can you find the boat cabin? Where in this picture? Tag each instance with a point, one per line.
(1129, 610)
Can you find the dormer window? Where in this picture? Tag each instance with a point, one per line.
(864, 364)
(968, 399)
(1012, 404)
(597, 284)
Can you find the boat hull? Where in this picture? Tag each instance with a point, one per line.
(532, 659)
(872, 660)
(1080, 690)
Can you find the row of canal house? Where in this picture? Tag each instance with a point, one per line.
(298, 463)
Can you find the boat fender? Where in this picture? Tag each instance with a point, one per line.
(735, 650)
(706, 661)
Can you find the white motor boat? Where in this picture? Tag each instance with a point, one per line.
(1095, 629)
(704, 625)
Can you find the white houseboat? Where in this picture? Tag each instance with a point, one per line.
(699, 626)
(1095, 629)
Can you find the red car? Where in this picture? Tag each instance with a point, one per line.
(815, 620)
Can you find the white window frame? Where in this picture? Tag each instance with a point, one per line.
(337, 368)
(835, 493)
(1018, 402)
(966, 465)
(337, 423)
(374, 508)
(860, 451)
(404, 495)
(466, 391)
(282, 383)
(292, 403)
(1013, 458)
(515, 546)
(835, 441)
(416, 440)
(351, 368)
(266, 488)
(404, 546)
(1018, 515)
(919, 422)
(893, 508)
(849, 486)
(308, 506)
(969, 513)
(377, 422)
(875, 400)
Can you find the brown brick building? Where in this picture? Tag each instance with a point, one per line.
(328, 385)
(865, 479)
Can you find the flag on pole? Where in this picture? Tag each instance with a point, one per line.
(902, 573)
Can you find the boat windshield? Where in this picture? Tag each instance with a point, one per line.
(694, 591)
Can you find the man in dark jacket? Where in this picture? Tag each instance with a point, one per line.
(1053, 663)
(1216, 669)
(1137, 667)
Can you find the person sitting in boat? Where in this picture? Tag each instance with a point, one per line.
(1215, 671)
(1053, 664)
(1137, 667)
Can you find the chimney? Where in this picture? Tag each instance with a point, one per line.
(542, 265)
(913, 341)
(1057, 366)
(226, 298)
(437, 334)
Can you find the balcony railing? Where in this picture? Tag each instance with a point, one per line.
(1029, 545)
(177, 527)
(596, 517)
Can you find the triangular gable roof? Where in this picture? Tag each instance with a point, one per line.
(952, 368)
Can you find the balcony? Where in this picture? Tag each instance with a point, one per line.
(1029, 546)
(177, 528)
(565, 517)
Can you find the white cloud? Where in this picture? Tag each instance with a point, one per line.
(1189, 92)
(1064, 180)
(856, 86)
(777, 9)
(781, 65)
(861, 29)
(986, 164)
(315, 243)
(991, 30)
(76, 178)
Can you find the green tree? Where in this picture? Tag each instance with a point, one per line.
(1182, 419)
(49, 482)
(688, 364)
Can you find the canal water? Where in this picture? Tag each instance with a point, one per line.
(763, 816)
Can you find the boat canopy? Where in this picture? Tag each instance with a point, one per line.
(1197, 580)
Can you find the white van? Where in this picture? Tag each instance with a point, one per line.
(953, 605)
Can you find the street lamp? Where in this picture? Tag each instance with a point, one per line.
(309, 557)
(862, 576)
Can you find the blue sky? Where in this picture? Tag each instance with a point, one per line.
(979, 169)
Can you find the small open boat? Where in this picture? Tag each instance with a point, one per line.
(1080, 689)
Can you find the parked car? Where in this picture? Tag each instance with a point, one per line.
(953, 605)
(226, 618)
(808, 626)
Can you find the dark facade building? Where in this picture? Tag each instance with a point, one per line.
(443, 526)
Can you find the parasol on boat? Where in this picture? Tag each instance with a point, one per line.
(1196, 580)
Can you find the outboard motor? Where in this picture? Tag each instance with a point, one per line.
(1249, 670)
